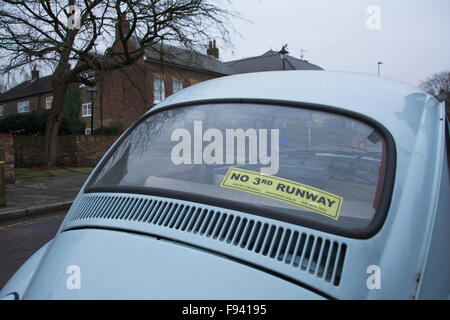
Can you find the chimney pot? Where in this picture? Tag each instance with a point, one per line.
(125, 25)
(35, 73)
(213, 51)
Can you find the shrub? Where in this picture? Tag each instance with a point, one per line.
(33, 124)
(71, 111)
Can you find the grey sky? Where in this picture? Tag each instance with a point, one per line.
(413, 41)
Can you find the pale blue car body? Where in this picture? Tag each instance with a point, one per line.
(122, 258)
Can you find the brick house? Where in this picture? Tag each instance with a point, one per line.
(125, 94)
(30, 95)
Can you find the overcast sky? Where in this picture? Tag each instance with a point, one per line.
(412, 41)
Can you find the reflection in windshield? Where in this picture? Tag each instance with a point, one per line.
(330, 152)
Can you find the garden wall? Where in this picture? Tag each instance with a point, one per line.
(73, 151)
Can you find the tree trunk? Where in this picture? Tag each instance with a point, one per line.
(60, 87)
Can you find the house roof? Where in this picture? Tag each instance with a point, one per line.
(269, 61)
(187, 58)
(28, 88)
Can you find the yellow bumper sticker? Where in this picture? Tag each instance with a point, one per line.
(284, 190)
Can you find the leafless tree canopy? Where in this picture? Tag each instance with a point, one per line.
(50, 32)
(438, 85)
(70, 37)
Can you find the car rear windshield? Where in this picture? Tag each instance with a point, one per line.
(308, 165)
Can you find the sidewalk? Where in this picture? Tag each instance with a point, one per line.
(41, 191)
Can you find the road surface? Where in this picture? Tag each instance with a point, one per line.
(19, 239)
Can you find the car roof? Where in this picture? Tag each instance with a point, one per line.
(387, 101)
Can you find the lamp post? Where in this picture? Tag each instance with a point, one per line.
(92, 94)
(283, 55)
(379, 63)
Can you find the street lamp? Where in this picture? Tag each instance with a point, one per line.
(92, 94)
(379, 63)
(283, 55)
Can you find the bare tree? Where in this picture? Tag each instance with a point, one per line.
(438, 86)
(69, 37)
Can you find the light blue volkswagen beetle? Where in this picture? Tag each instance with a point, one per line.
(272, 185)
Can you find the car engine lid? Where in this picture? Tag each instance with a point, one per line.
(111, 264)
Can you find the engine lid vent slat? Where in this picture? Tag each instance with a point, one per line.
(315, 255)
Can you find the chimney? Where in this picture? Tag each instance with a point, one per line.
(213, 50)
(35, 73)
(125, 25)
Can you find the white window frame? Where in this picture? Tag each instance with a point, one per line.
(48, 102)
(177, 85)
(86, 110)
(159, 90)
(2, 110)
(87, 131)
(23, 107)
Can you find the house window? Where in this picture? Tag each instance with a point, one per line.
(48, 102)
(158, 90)
(2, 110)
(177, 85)
(87, 110)
(87, 131)
(23, 107)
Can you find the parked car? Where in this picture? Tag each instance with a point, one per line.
(271, 185)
